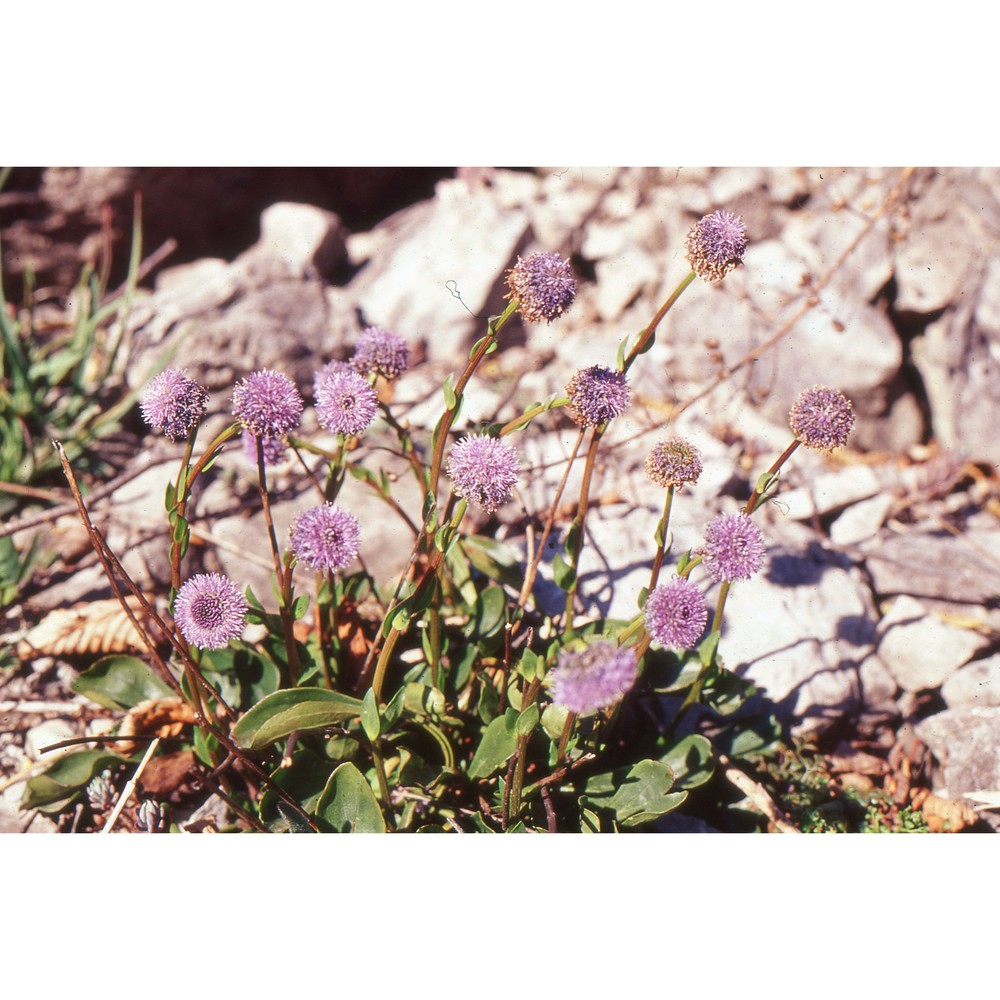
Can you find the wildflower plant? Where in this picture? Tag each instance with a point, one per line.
(447, 698)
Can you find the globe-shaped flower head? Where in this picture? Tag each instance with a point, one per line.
(325, 537)
(210, 610)
(593, 678)
(543, 285)
(676, 614)
(484, 470)
(381, 351)
(345, 402)
(734, 548)
(715, 245)
(173, 403)
(267, 404)
(597, 394)
(673, 462)
(822, 418)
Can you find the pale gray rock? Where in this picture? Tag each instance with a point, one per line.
(920, 650)
(829, 492)
(923, 562)
(861, 521)
(966, 743)
(305, 238)
(435, 271)
(45, 734)
(621, 278)
(943, 253)
(802, 630)
(975, 685)
(267, 309)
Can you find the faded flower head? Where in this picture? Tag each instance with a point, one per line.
(821, 418)
(543, 285)
(173, 403)
(676, 614)
(381, 351)
(673, 462)
(267, 403)
(597, 394)
(210, 610)
(275, 449)
(593, 678)
(715, 245)
(734, 547)
(325, 537)
(484, 470)
(345, 402)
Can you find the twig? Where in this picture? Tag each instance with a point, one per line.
(758, 796)
(130, 787)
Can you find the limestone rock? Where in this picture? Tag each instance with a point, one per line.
(920, 650)
(975, 685)
(966, 743)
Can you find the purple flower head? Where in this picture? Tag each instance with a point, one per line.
(822, 418)
(593, 678)
(345, 402)
(267, 404)
(173, 403)
(275, 449)
(325, 537)
(597, 394)
(734, 548)
(543, 285)
(378, 350)
(715, 245)
(210, 610)
(676, 614)
(484, 470)
(330, 368)
(673, 462)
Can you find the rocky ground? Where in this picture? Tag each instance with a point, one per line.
(876, 621)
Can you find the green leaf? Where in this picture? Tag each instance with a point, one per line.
(449, 392)
(495, 559)
(285, 712)
(645, 794)
(300, 607)
(530, 665)
(497, 746)
(691, 761)
(554, 720)
(527, 721)
(120, 682)
(489, 703)
(643, 594)
(563, 573)
(348, 804)
(489, 614)
(708, 647)
(67, 776)
(369, 715)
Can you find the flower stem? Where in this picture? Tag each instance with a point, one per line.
(645, 339)
(481, 350)
(661, 545)
(576, 528)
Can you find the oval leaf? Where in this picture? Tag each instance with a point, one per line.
(348, 803)
(120, 682)
(285, 712)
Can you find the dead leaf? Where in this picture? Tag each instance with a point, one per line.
(94, 628)
(944, 815)
(163, 717)
(165, 775)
